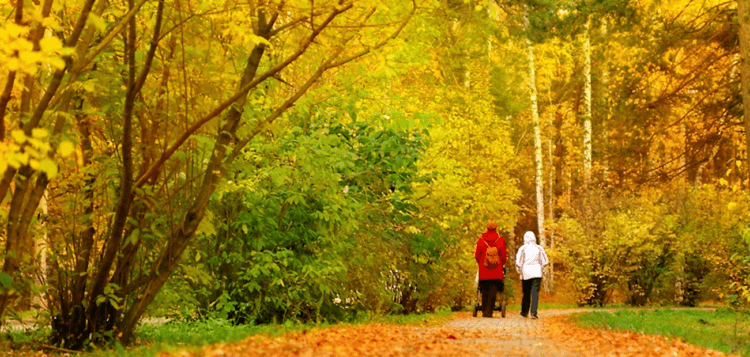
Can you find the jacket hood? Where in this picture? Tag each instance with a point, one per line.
(529, 237)
(490, 236)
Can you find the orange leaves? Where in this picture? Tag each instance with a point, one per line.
(467, 337)
(366, 340)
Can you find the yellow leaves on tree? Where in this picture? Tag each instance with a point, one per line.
(18, 53)
(31, 150)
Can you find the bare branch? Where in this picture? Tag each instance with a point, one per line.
(381, 43)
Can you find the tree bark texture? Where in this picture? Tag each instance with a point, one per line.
(743, 15)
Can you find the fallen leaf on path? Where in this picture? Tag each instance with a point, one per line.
(556, 336)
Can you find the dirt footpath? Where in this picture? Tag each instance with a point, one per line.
(552, 335)
(464, 335)
(515, 335)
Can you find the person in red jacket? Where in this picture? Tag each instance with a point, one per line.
(491, 278)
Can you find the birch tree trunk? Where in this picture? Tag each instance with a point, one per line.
(40, 252)
(607, 112)
(551, 171)
(537, 139)
(551, 208)
(587, 105)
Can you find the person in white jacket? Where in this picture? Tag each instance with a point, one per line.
(530, 260)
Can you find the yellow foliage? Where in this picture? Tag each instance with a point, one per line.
(66, 148)
(24, 150)
(17, 52)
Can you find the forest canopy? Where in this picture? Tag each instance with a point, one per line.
(272, 160)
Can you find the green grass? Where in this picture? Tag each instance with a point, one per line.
(152, 339)
(435, 318)
(722, 330)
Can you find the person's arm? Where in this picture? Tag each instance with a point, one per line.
(478, 253)
(519, 261)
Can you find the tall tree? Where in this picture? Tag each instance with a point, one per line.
(587, 160)
(538, 157)
(743, 15)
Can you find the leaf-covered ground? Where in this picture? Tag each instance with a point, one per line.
(551, 335)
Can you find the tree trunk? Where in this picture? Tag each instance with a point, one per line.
(607, 112)
(587, 104)
(551, 208)
(97, 313)
(40, 253)
(537, 139)
(743, 15)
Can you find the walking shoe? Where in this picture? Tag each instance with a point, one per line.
(533, 317)
(524, 315)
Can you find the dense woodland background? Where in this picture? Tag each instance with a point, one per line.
(264, 160)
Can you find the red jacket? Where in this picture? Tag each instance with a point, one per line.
(494, 240)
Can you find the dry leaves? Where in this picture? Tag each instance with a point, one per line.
(366, 340)
(593, 342)
(551, 336)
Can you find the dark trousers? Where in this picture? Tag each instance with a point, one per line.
(489, 289)
(530, 295)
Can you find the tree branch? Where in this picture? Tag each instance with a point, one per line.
(58, 76)
(326, 65)
(381, 43)
(5, 97)
(83, 62)
(154, 169)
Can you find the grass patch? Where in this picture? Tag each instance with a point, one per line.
(430, 319)
(721, 330)
(192, 335)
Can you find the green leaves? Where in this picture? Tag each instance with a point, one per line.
(292, 220)
(110, 296)
(6, 281)
(96, 21)
(206, 226)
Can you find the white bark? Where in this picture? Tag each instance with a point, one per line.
(537, 139)
(40, 251)
(587, 105)
(551, 207)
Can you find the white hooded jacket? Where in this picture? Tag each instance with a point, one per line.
(530, 258)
